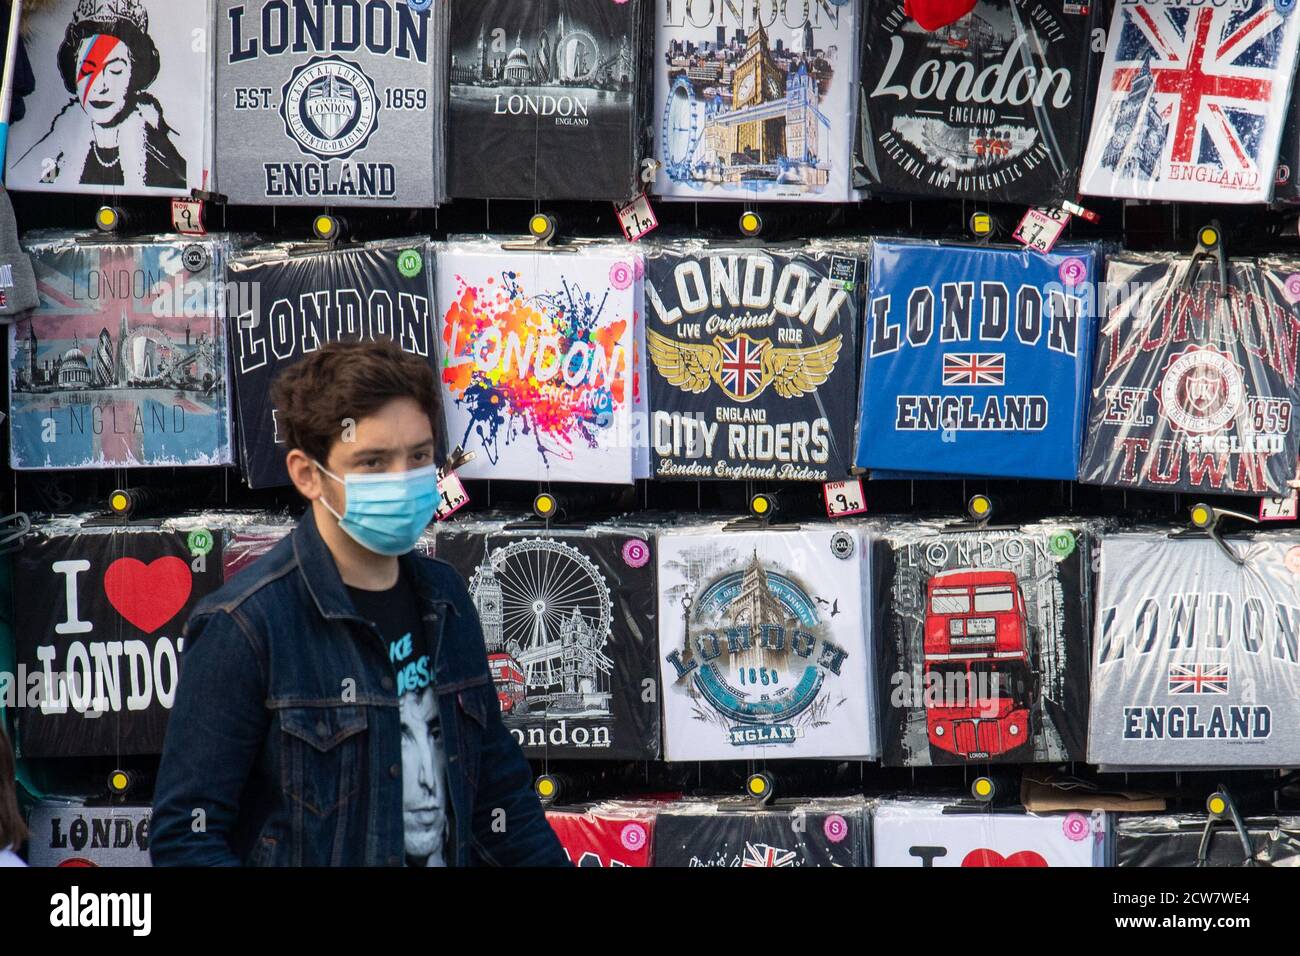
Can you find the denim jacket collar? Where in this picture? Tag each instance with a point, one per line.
(325, 585)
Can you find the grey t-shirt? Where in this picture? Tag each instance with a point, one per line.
(344, 109)
(1196, 659)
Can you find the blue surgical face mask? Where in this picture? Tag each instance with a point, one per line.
(386, 513)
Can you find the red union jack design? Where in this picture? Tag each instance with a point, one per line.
(974, 368)
(761, 854)
(1192, 100)
(1198, 678)
(742, 366)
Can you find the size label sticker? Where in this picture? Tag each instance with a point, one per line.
(636, 218)
(1041, 227)
(844, 498)
(453, 496)
(187, 217)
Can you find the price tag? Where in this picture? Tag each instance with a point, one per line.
(187, 217)
(636, 218)
(1041, 227)
(844, 498)
(453, 496)
(1279, 507)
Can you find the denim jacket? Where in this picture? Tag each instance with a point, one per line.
(284, 745)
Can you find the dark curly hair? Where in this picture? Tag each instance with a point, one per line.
(144, 54)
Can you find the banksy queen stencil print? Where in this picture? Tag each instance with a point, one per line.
(120, 101)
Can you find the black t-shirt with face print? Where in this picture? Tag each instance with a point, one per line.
(396, 613)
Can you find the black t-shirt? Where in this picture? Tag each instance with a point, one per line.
(396, 612)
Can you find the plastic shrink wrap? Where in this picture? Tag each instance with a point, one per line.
(1194, 840)
(929, 832)
(992, 105)
(72, 834)
(286, 300)
(569, 621)
(549, 98)
(541, 361)
(1192, 101)
(1195, 384)
(820, 832)
(753, 360)
(755, 101)
(976, 359)
(1196, 659)
(984, 641)
(123, 363)
(331, 104)
(763, 643)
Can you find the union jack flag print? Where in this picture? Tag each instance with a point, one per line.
(761, 854)
(1192, 100)
(742, 366)
(974, 368)
(1198, 678)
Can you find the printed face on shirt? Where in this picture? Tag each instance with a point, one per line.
(424, 794)
(104, 77)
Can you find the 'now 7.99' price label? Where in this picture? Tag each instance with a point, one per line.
(1041, 227)
(636, 218)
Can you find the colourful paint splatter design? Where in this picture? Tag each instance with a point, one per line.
(548, 368)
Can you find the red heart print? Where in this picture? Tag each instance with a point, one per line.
(930, 15)
(148, 595)
(983, 857)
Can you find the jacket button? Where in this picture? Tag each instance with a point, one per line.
(322, 730)
(387, 683)
(395, 771)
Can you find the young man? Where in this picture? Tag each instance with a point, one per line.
(335, 706)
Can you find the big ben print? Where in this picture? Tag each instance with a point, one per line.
(758, 81)
(755, 101)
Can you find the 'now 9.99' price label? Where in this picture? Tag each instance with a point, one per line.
(452, 496)
(844, 498)
(1041, 227)
(187, 217)
(636, 218)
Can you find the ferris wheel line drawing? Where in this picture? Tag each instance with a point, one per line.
(551, 592)
(681, 129)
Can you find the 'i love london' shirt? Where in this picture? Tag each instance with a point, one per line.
(424, 763)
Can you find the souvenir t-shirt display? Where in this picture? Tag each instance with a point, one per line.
(1195, 384)
(539, 357)
(763, 639)
(985, 644)
(547, 98)
(1176, 840)
(72, 834)
(985, 99)
(335, 104)
(122, 104)
(752, 356)
(100, 626)
(568, 618)
(1178, 617)
(123, 363)
(1192, 100)
(755, 101)
(285, 301)
(976, 359)
(786, 833)
(613, 834)
(927, 832)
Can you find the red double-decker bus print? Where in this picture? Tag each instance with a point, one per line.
(979, 670)
(509, 681)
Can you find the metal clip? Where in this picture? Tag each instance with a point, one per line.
(1205, 518)
(13, 528)
(1209, 243)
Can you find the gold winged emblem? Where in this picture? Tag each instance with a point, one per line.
(742, 367)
